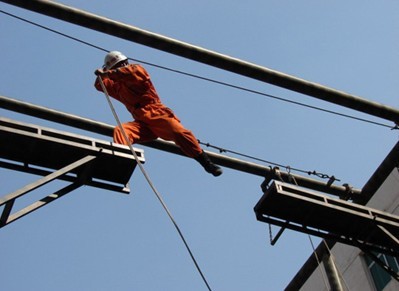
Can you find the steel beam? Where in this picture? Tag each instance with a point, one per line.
(236, 164)
(186, 50)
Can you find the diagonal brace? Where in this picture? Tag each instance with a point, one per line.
(43, 181)
(382, 264)
(9, 199)
(46, 200)
(389, 234)
(274, 240)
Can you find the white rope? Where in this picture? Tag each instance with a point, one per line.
(318, 263)
(293, 180)
(149, 180)
(329, 252)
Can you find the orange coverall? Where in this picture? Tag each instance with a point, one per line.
(132, 86)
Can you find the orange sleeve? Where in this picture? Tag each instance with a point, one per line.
(110, 85)
(133, 75)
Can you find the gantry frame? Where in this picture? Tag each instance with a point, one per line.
(300, 209)
(56, 154)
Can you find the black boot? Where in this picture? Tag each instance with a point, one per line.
(210, 167)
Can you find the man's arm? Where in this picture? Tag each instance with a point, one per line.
(108, 83)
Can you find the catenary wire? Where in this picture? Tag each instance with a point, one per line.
(224, 150)
(266, 94)
(208, 79)
(151, 184)
(53, 30)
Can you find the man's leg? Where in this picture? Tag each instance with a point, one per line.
(170, 128)
(135, 131)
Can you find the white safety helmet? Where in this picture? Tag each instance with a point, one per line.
(113, 58)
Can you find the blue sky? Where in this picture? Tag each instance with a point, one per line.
(93, 239)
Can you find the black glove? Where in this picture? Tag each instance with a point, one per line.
(99, 72)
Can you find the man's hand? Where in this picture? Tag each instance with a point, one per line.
(99, 72)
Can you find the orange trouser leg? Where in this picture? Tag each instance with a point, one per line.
(170, 128)
(167, 128)
(135, 131)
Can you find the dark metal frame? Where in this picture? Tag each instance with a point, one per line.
(60, 155)
(9, 200)
(277, 207)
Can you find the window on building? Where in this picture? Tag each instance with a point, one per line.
(380, 277)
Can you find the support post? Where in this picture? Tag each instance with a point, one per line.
(332, 273)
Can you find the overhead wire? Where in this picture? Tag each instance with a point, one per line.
(53, 30)
(207, 79)
(289, 168)
(266, 95)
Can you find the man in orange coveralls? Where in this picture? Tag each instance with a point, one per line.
(131, 85)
